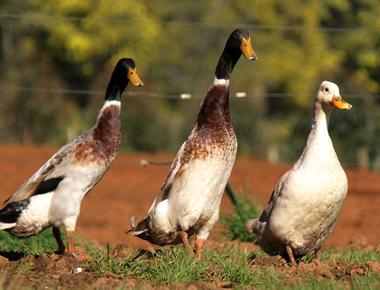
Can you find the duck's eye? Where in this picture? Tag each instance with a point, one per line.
(326, 89)
(131, 72)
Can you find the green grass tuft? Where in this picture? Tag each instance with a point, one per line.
(314, 284)
(370, 281)
(350, 256)
(44, 242)
(167, 266)
(175, 265)
(245, 209)
(233, 267)
(103, 265)
(308, 258)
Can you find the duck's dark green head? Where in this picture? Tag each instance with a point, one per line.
(125, 71)
(240, 41)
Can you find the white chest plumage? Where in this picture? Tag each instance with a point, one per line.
(199, 195)
(196, 195)
(307, 206)
(70, 193)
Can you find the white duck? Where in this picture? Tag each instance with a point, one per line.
(53, 195)
(306, 201)
(189, 201)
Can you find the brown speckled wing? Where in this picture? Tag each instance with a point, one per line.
(99, 145)
(29, 187)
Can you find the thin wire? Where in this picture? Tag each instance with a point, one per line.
(164, 96)
(86, 92)
(188, 23)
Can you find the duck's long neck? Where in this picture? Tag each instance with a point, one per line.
(227, 62)
(108, 125)
(215, 106)
(115, 88)
(319, 143)
(320, 120)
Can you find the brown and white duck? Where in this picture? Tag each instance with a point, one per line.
(306, 201)
(189, 200)
(53, 195)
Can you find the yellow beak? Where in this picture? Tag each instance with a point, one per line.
(134, 77)
(247, 50)
(338, 103)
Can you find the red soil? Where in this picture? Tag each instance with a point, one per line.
(129, 189)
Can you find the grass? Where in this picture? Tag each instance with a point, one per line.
(229, 268)
(168, 266)
(233, 267)
(344, 255)
(314, 284)
(35, 245)
(368, 282)
(224, 267)
(175, 265)
(245, 209)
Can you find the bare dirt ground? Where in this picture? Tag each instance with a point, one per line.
(129, 189)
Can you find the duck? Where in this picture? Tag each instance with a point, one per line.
(189, 200)
(305, 203)
(52, 196)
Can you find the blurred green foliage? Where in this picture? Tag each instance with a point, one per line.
(48, 48)
(235, 223)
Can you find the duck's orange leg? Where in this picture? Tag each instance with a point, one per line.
(70, 244)
(289, 251)
(199, 247)
(82, 255)
(185, 239)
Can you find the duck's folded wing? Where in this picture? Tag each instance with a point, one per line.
(176, 169)
(164, 193)
(257, 225)
(46, 179)
(278, 191)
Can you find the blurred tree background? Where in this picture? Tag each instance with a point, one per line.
(57, 57)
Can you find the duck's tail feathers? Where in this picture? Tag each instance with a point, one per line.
(4, 226)
(255, 226)
(10, 213)
(141, 227)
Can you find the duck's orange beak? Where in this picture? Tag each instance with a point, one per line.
(247, 50)
(134, 77)
(338, 103)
